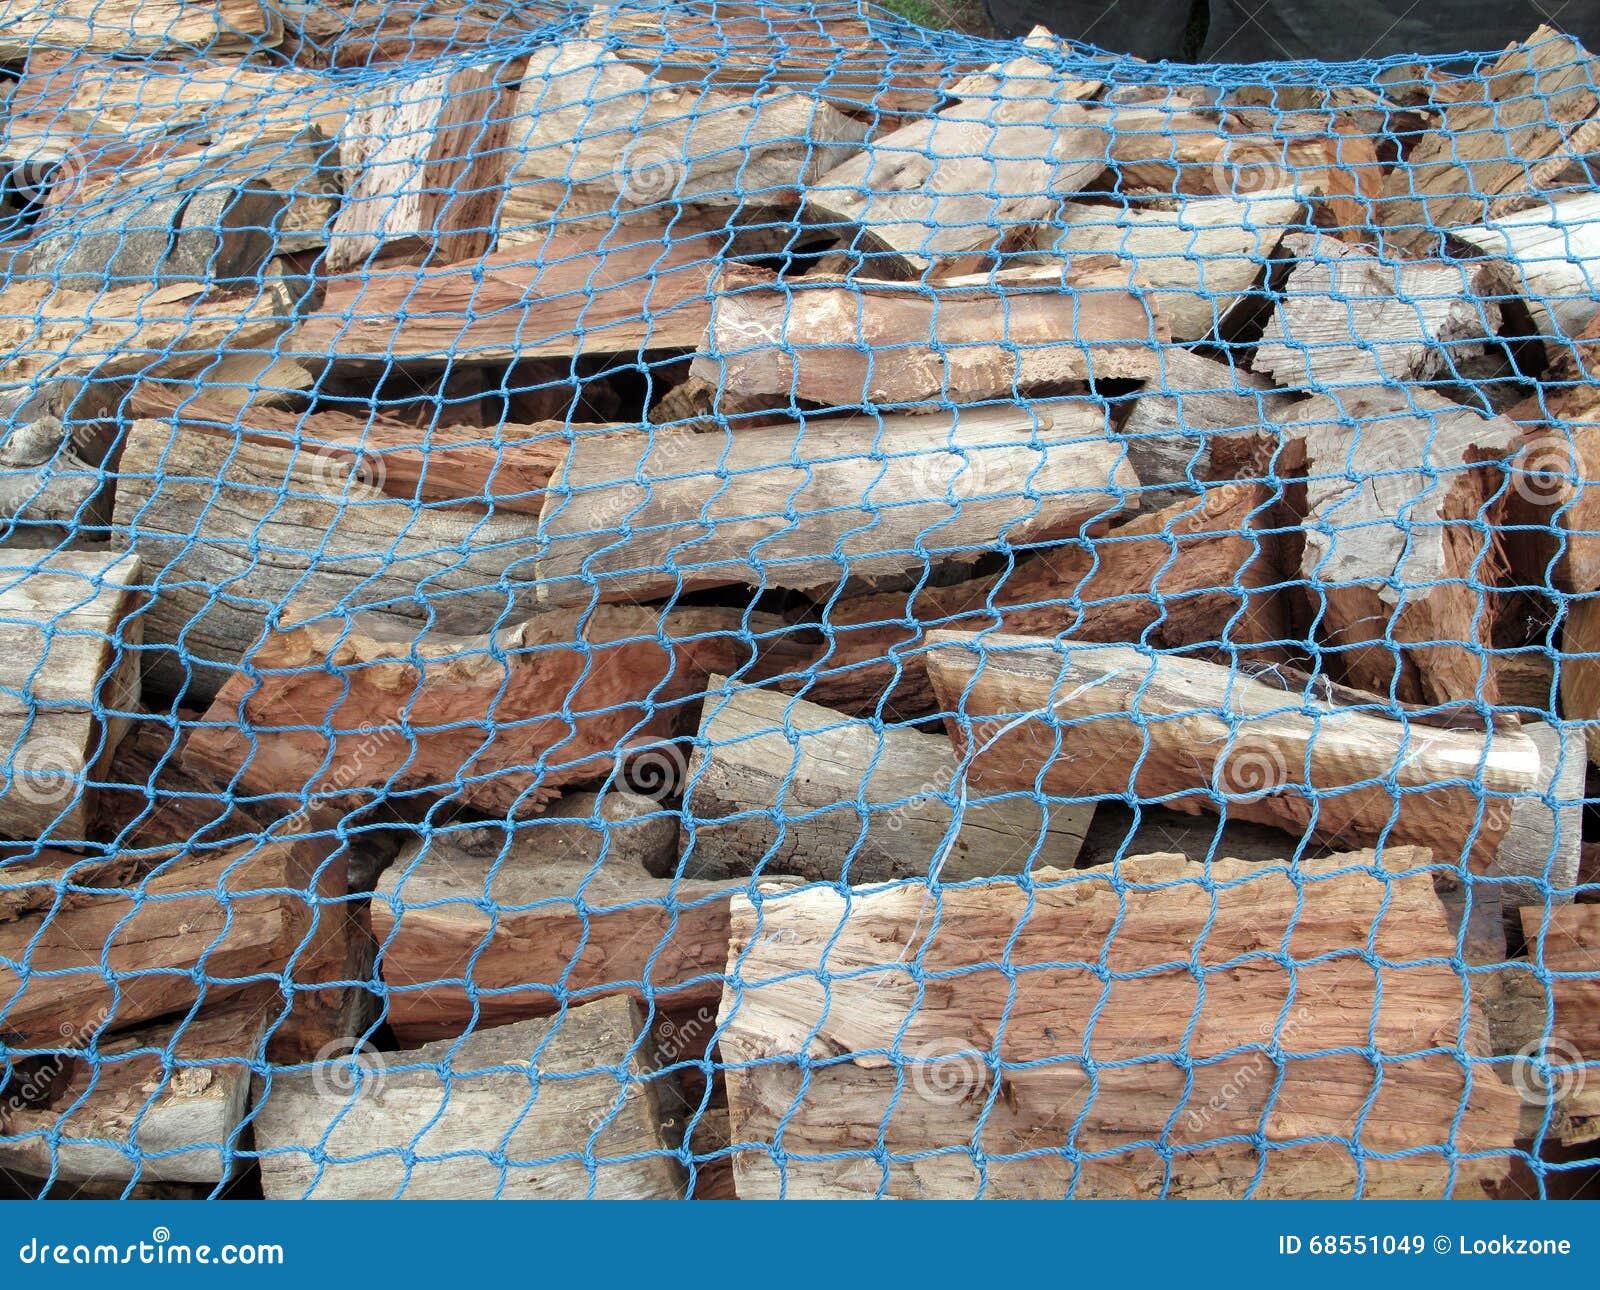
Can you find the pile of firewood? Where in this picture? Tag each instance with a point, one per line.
(722, 603)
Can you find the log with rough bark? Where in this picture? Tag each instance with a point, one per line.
(1193, 262)
(140, 27)
(1564, 941)
(594, 134)
(501, 1113)
(1398, 560)
(845, 342)
(428, 159)
(1349, 318)
(1550, 254)
(807, 506)
(69, 683)
(163, 1103)
(1578, 666)
(1107, 721)
(228, 531)
(945, 188)
(1551, 511)
(1483, 148)
(203, 928)
(1275, 1027)
(856, 804)
(623, 289)
(1544, 839)
(42, 477)
(1199, 573)
(573, 914)
(350, 707)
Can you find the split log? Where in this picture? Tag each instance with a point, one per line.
(1273, 1050)
(228, 531)
(854, 804)
(1194, 261)
(429, 160)
(563, 1108)
(1108, 721)
(1544, 839)
(1198, 574)
(1551, 256)
(844, 342)
(1526, 679)
(610, 291)
(951, 185)
(1483, 148)
(164, 1103)
(209, 930)
(572, 914)
(807, 506)
(1399, 562)
(42, 479)
(1550, 522)
(141, 27)
(1564, 941)
(1348, 318)
(353, 707)
(1199, 420)
(594, 135)
(367, 33)
(69, 683)
(1579, 668)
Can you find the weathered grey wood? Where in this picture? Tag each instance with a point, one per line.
(561, 1138)
(41, 477)
(69, 682)
(854, 342)
(936, 1022)
(1107, 721)
(1395, 536)
(1544, 840)
(1195, 260)
(953, 183)
(1551, 256)
(228, 531)
(807, 506)
(856, 805)
(139, 26)
(123, 1114)
(1350, 318)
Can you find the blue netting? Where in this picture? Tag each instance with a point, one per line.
(719, 599)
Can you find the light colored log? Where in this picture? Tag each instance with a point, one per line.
(807, 506)
(229, 531)
(1196, 573)
(854, 804)
(1564, 941)
(135, 27)
(568, 1104)
(1107, 721)
(954, 183)
(1397, 557)
(902, 1048)
(845, 342)
(428, 160)
(1483, 147)
(208, 928)
(1349, 318)
(1544, 839)
(1194, 261)
(1550, 253)
(42, 479)
(573, 914)
(164, 1103)
(69, 682)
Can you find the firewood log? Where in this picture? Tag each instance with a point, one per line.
(868, 343)
(69, 683)
(806, 506)
(1563, 941)
(1544, 838)
(913, 1045)
(857, 804)
(1109, 721)
(131, 27)
(1398, 562)
(500, 1113)
(1579, 668)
